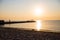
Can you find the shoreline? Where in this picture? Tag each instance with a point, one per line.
(18, 34)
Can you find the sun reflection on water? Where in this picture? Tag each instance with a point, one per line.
(38, 25)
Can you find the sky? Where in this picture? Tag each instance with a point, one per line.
(28, 9)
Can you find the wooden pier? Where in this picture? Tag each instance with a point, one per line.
(12, 22)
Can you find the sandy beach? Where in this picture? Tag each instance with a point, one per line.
(18, 34)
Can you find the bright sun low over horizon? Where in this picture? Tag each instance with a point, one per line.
(29, 9)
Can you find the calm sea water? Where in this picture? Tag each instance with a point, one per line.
(53, 25)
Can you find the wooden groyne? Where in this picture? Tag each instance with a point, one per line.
(12, 22)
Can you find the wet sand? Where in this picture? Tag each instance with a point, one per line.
(18, 34)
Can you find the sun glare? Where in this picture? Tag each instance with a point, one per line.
(38, 11)
(38, 25)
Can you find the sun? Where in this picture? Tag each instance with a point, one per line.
(38, 11)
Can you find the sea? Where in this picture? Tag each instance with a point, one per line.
(52, 25)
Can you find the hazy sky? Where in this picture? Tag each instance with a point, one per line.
(24, 9)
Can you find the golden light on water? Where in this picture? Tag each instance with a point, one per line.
(38, 25)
